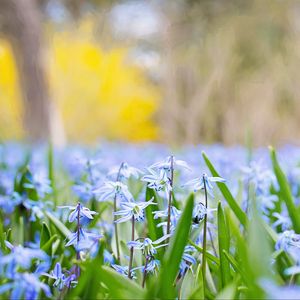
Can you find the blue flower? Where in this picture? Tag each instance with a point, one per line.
(288, 240)
(21, 257)
(123, 270)
(152, 266)
(200, 211)
(111, 189)
(166, 164)
(175, 215)
(84, 191)
(131, 209)
(198, 183)
(9, 202)
(40, 182)
(147, 246)
(81, 210)
(83, 240)
(58, 276)
(187, 259)
(158, 180)
(283, 220)
(125, 171)
(61, 280)
(25, 285)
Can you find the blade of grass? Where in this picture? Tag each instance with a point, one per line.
(240, 214)
(154, 232)
(224, 244)
(172, 258)
(119, 286)
(285, 191)
(58, 224)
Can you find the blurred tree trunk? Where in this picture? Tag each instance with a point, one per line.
(22, 26)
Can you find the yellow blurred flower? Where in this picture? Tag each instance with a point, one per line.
(98, 94)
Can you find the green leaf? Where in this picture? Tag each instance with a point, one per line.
(240, 214)
(2, 236)
(120, 287)
(58, 224)
(235, 265)
(45, 235)
(228, 292)
(198, 292)
(224, 244)
(285, 191)
(47, 247)
(208, 255)
(89, 281)
(172, 258)
(153, 231)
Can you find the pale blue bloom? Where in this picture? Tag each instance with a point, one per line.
(109, 190)
(125, 171)
(84, 240)
(283, 220)
(25, 286)
(187, 259)
(123, 270)
(267, 202)
(40, 182)
(21, 257)
(84, 191)
(81, 210)
(292, 270)
(9, 202)
(152, 266)
(174, 217)
(288, 240)
(158, 180)
(198, 183)
(260, 176)
(108, 257)
(148, 246)
(200, 211)
(131, 209)
(58, 276)
(166, 164)
(60, 279)
(276, 292)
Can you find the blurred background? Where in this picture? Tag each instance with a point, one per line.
(171, 71)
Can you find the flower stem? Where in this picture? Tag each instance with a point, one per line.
(131, 249)
(115, 217)
(204, 238)
(170, 195)
(77, 271)
(145, 271)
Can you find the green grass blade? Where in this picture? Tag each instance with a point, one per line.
(224, 244)
(47, 247)
(58, 224)
(154, 232)
(208, 255)
(240, 214)
(120, 287)
(172, 258)
(285, 191)
(45, 235)
(227, 293)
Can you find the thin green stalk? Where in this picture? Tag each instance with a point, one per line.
(115, 217)
(131, 249)
(204, 239)
(170, 196)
